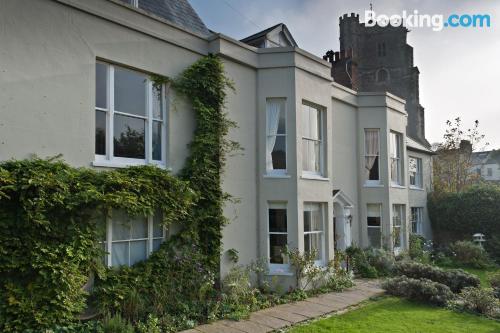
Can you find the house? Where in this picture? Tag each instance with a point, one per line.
(324, 167)
(486, 164)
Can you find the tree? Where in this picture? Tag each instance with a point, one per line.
(453, 163)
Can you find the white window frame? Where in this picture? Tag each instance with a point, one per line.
(418, 174)
(417, 218)
(398, 158)
(373, 182)
(321, 141)
(374, 227)
(108, 160)
(322, 207)
(276, 268)
(278, 172)
(402, 213)
(109, 240)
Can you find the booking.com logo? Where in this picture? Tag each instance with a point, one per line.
(437, 22)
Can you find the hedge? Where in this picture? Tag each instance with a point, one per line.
(457, 216)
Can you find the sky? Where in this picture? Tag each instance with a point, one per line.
(459, 67)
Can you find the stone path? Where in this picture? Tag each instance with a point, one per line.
(281, 316)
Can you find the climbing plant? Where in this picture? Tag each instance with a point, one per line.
(49, 213)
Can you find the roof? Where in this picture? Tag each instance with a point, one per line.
(412, 144)
(486, 157)
(178, 12)
(280, 26)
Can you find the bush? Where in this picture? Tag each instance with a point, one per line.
(417, 251)
(340, 280)
(371, 263)
(116, 324)
(479, 300)
(467, 253)
(457, 216)
(423, 290)
(455, 279)
(494, 280)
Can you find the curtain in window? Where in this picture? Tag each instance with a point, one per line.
(273, 116)
(371, 147)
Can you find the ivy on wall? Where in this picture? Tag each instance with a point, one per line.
(49, 216)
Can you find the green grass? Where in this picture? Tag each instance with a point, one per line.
(397, 315)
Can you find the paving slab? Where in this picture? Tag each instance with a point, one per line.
(270, 321)
(217, 327)
(248, 326)
(285, 314)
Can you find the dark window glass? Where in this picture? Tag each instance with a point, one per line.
(156, 141)
(129, 137)
(101, 99)
(373, 221)
(277, 220)
(374, 175)
(374, 237)
(130, 92)
(277, 244)
(100, 133)
(279, 153)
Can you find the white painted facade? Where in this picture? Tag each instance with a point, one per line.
(47, 107)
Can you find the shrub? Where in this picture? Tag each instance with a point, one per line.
(116, 324)
(494, 279)
(479, 300)
(417, 249)
(423, 290)
(371, 263)
(238, 297)
(339, 280)
(469, 254)
(150, 326)
(455, 279)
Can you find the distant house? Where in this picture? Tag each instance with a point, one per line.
(486, 164)
(324, 167)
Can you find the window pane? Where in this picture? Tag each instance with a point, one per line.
(130, 92)
(277, 244)
(314, 123)
(313, 242)
(277, 220)
(397, 236)
(101, 74)
(374, 237)
(313, 217)
(282, 120)
(157, 227)
(373, 221)
(156, 244)
(139, 227)
(279, 153)
(373, 172)
(100, 133)
(121, 227)
(129, 137)
(306, 124)
(119, 254)
(156, 140)
(157, 103)
(311, 155)
(138, 251)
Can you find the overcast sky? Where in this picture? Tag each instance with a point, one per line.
(459, 67)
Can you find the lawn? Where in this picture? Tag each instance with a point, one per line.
(397, 315)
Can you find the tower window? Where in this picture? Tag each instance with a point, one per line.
(382, 75)
(381, 49)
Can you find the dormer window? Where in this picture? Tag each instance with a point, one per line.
(382, 75)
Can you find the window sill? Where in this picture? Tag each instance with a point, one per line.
(416, 188)
(368, 185)
(398, 186)
(279, 273)
(282, 176)
(314, 177)
(119, 164)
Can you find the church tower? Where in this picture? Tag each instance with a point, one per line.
(374, 59)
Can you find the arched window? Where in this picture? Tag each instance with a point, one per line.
(382, 75)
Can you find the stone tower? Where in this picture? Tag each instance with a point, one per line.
(374, 59)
